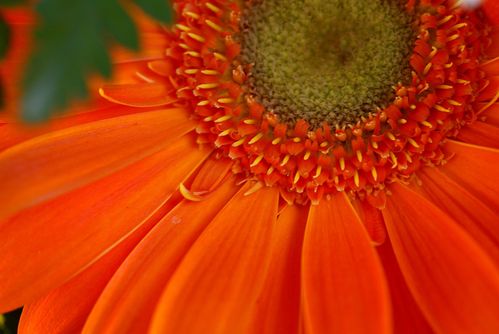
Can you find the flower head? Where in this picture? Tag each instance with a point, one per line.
(269, 166)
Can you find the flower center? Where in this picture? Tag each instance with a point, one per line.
(309, 95)
(331, 61)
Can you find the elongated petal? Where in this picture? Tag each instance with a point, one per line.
(469, 212)
(216, 287)
(452, 279)
(211, 174)
(15, 133)
(138, 95)
(407, 317)
(343, 285)
(65, 309)
(475, 168)
(53, 242)
(50, 165)
(280, 301)
(480, 133)
(139, 282)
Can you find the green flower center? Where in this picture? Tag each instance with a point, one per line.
(326, 60)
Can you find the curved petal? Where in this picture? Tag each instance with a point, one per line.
(46, 166)
(15, 133)
(128, 302)
(138, 95)
(474, 168)
(470, 213)
(280, 301)
(453, 281)
(66, 308)
(344, 290)
(490, 114)
(407, 317)
(480, 133)
(216, 286)
(53, 243)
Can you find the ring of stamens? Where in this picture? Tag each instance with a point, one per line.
(307, 163)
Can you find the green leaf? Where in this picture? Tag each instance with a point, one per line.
(159, 9)
(71, 43)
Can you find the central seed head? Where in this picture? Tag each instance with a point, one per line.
(325, 60)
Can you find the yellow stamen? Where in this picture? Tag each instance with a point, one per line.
(213, 25)
(285, 160)
(413, 142)
(318, 172)
(210, 72)
(297, 178)
(193, 54)
(196, 37)
(427, 124)
(191, 15)
(212, 7)
(188, 195)
(182, 27)
(223, 118)
(257, 186)
(239, 142)
(442, 109)
(207, 85)
(257, 160)
(256, 138)
(374, 173)
(342, 163)
(225, 100)
(359, 155)
(307, 155)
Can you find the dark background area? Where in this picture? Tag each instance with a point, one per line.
(11, 321)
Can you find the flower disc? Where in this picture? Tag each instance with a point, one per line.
(347, 96)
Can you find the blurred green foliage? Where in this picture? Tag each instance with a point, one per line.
(71, 42)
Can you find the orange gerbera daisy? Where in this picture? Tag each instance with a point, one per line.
(267, 166)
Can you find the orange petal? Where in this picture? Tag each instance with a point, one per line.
(453, 281)
(480, 133)
(15, 133)
(139, 95)
(407, 317)
(470, 213)
(491, 113)
(52, 164)
(56, 239)
(344, 290)
(475, 168)
(216, 287)
(128, 302)
(65, 309)
(373, 222)
(210, 175)
(279, 310)
(491, 9)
